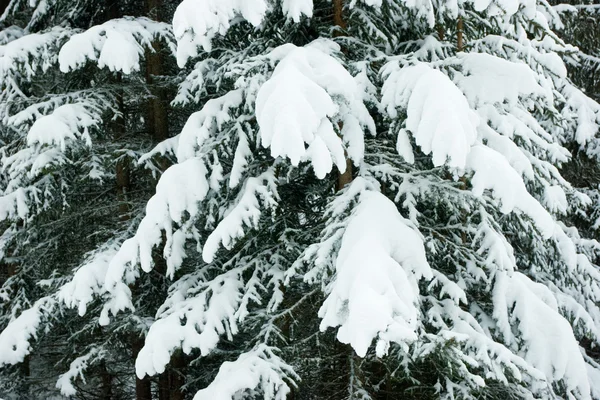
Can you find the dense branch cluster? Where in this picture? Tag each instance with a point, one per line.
(362, 199)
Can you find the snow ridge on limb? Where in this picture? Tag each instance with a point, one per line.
(259, 368)
(531, 308)
(15, 338)
(117, 44)
(439, 116)
(296, 106)
(375, 291)
(197, 22)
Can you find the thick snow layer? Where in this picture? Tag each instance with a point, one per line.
(117, 44)
(296, 106)
(260, 368)
(375, 292)
(197, 22)
(492, 171)
(531, 310)
(489, 79)
(14, 339)
(438, 114)
(65, 123)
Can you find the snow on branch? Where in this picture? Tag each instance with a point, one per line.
(375, 292)
(15, 338)
(296, 106)
(529, 308)
(76, 370)
(506, 186)
(197, 22)
(117, 44)
(439, 116)
(246, 211)
(65, 123)
(257, 372)
(28, 53)
(193, 322)
(171, 210)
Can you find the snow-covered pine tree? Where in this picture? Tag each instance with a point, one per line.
(444, 267)
(443, 263)
(75, 99)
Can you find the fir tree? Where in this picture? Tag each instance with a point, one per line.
(367, 202)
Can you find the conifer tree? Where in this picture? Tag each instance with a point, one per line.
(367, 202)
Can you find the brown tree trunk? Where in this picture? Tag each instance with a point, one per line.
(339, 21)
(106, 377)
(177, 377)
(143, 387)
(459, 35)
(158, 122)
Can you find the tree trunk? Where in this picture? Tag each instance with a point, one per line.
(158, 121)
(143, 387)
(106, 377)
(178, 365)
(459, 35)
(338, 20)
(164, 392)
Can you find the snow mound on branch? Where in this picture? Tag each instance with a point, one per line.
(117, 44)
(439, 115)
(65, 123)
(375, 293)
(30, 52)
(490, 79)
(197, 22)
(14, 339)
(296, 106)
(88, 280)
(294, 9)
(171, 210)
(545, 338)
(258, 369)
(493, 172)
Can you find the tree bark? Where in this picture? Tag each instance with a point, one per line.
(143, 387)
(459, 35)
(106, 377)
(177, 375)
(158, 122)
(345, 177)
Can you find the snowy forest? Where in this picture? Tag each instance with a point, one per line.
(299, 199)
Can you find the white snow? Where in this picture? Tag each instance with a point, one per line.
(375, 292)
(438, 114)
(197, 22)
(117, 44)
(259, 368)
(296, 106)
(531, 309)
